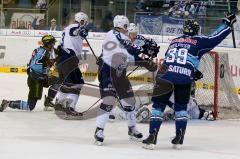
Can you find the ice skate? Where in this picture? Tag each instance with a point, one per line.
(4, 105)
(134, 134)
(150, 141)
(177, 141)
(47, 104)
(99, 137)
(71, 112)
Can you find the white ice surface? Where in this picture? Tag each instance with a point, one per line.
(41, 135)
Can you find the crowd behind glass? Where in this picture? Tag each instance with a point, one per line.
(101, 17)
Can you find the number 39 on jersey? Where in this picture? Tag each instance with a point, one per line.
(177, 55)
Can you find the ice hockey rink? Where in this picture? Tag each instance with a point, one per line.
(42, 135)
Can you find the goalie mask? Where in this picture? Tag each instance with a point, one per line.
(191, 27)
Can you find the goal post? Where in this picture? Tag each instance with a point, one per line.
(216, 90)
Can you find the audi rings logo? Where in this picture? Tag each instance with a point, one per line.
(222, 71)
(26, 32)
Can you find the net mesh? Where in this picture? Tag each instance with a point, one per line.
(228, 103)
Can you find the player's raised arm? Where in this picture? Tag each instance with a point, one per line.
(209, 42)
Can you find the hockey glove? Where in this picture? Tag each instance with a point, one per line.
(83, 32)
(150, 48)
(198, 75)
(229, 19)
(148, 64)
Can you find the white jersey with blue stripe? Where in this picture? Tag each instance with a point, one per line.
(71, 40)
(112, 47)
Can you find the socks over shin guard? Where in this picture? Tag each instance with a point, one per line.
(155, 120)
(131, 118)
(181, 121)
(19, 104)
(102, 119)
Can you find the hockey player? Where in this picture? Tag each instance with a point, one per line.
(38, 69)
(177, 71)
(117, 53)
(140, 41)
(70, 74)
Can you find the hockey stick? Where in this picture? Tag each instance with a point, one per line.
(132, 71)
(233, 34)
(91, 49)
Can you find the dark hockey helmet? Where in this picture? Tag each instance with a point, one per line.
(191, 27)
(48, 40)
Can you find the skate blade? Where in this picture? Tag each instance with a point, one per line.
(135, 139)
(98, 143)
(149, 146)
(177, 146)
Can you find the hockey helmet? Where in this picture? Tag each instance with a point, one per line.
(48, 40)
(191, 27)
(80, 16)
(121, 21)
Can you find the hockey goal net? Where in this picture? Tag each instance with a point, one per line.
(216, 90)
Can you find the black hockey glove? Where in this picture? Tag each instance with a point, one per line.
(198, 75)
(83, 32)
(150, 48)
(229, 19)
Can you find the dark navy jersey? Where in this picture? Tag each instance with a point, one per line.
(184, 53)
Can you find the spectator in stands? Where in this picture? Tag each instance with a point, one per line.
(54, 26)
(93, 28)
(21, 25)
(2, 20)
(41, 26)
(8, 3)
(41, 4)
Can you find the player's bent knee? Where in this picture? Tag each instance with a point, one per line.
(128, 101)
(128, 108)
(109, 100)
(105, 107)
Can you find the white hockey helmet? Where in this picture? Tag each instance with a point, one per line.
(80, 16)
(121, 21)
(132, 28)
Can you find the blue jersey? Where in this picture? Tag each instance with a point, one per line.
(39, 61)
(184, 54)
